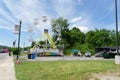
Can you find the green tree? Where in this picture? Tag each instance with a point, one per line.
(89, 39)
(113, 38)
(61, 25)
(76, 36)
(98, 38)
(102, 38)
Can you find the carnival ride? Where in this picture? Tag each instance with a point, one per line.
(48, 48)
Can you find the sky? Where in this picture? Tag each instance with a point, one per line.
(84, 14)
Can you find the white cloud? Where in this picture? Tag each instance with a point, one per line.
(82, 28)
(64, 8)
(6, 25)
(6, 21)
(28, 10)
(76, 19)
(6, 15)
(20, 9)
(82, 22)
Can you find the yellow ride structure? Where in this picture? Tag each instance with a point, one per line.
(54, 49)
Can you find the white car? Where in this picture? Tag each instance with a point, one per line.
(87, 54)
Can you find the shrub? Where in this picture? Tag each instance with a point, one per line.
(15, 51)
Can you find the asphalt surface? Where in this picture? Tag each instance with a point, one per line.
(57, 58)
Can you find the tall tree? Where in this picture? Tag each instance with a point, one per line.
(60, 23)
(60, 27)
(113, 37)
(98, 38)
(102, 37)
(76, 36)
(89, 39)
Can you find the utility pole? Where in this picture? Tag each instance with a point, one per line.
(19, 40)
(117, 57)
(116, 15)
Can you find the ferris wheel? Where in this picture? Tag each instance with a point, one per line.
(30, 30)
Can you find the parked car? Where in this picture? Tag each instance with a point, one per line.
(74, 52)
(99, 54)
(109, 55)
(87, 54)
(79, 54)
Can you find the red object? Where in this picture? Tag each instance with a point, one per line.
(18, 61)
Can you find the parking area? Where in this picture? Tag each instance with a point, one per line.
(57, 58)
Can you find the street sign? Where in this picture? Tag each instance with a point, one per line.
(16, 29)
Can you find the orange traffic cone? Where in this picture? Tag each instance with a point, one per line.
(18, 61)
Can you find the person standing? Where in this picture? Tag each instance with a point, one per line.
(9, 53)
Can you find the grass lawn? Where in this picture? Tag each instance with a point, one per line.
(63, 70)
